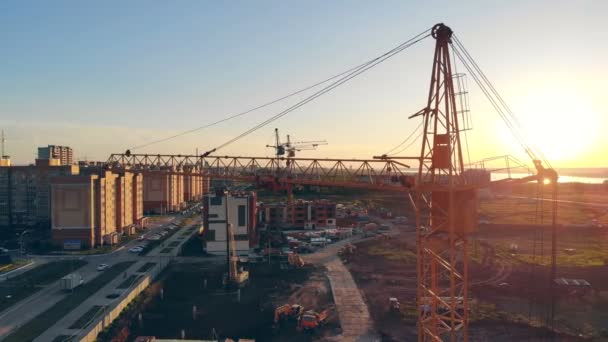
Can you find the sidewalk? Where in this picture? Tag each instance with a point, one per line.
(13, 273)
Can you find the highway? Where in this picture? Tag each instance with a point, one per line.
(25, 310)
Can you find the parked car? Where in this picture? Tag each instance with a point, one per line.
(102, 267)
(141, 237)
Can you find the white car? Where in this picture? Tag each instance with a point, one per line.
(102, 267)
(137, 249)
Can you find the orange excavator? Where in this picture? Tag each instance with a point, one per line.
(287, 311)
(295, 260)
(311, 320)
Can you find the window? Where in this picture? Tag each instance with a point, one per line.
(241, 237)
(242, 215)
(215, 200)
(213, 216)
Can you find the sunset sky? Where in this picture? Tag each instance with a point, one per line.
(105, 76)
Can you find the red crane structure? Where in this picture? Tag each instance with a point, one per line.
(445, 203)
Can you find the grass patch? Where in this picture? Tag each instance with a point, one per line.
(128, 282)
(48, 318)
(94, 312)
(15, 264)
(29, 282)
(592, 255)
(392, 253)
(174, 244)
(145, 267)
(166, 250)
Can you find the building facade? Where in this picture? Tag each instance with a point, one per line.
(95, 208)
(238, 209)
(163, 191)
(25, 193)
(64, 154)
(299, 214)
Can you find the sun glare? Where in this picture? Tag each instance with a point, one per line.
(562, 124)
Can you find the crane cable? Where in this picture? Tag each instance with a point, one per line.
(364, 67)
(249, 110)
(406, 139)
(506, 114)
(257, 107)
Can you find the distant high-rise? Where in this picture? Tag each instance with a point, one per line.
(63, 153)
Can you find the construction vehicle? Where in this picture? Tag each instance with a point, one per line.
(393, 305)
(237, 277)
(312, 320)
(347, 250)
(287, 311)
(295, 260)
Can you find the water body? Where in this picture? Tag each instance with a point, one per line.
(563, 177)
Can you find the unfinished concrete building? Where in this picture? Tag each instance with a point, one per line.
(238, 209)
(299, 214)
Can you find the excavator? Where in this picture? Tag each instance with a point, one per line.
(311, 320)
(295, 260)
(286, 311)
(236, 277)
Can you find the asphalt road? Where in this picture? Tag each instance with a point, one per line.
(23, 311)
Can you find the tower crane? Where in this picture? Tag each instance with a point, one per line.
(444, 202)
(291, 147)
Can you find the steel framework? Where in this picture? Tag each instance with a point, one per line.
(445, 208)
(445, 205)
(369, 174)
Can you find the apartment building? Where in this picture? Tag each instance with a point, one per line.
(299, 214)
(25, 193)
(238, 209)
(62, 153)
(163, 191)
(95, 208)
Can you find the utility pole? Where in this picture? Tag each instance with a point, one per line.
(3, 140)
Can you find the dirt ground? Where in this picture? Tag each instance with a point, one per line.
(219, 312)
(387, 268)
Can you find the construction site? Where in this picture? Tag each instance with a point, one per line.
(428, 246)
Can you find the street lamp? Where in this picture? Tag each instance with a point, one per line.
(21, 247)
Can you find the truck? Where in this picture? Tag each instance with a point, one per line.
(71, 281)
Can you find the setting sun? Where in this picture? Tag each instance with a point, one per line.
(559, 123)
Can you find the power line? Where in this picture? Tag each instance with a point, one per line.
(257, 107)
(364, 67)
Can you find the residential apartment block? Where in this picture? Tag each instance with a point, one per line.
(25, 193)
(95, 208)
(62, 153)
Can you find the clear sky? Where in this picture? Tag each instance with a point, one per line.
(108, 75)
